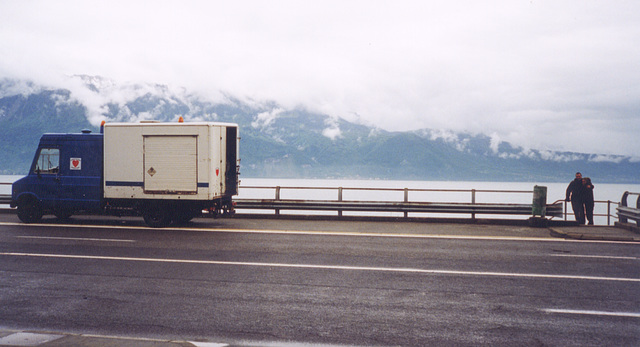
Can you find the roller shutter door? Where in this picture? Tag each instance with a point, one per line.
(170, 164)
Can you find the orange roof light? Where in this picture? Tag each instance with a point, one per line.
(180, 120)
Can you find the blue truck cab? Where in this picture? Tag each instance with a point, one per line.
(65, 176)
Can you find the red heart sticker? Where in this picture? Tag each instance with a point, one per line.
(75, 164)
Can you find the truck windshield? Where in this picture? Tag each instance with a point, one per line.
(48, 161)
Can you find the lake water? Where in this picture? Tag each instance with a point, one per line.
(509, 192)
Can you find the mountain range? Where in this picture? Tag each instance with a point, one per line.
(277, 142)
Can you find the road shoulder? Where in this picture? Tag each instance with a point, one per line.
(597, 233)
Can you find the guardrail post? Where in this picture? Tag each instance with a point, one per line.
(473, 202)
(339, 199)
(406, 199)
(608, 212)
(623, 202)
(277, 198)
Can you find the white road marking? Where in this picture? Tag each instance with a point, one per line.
(208, 344)
(80, 226)
(133, 241)
(73, 238)
(594, 256)
(28, 339)
(329, 267)
(145, 339)
(330, 233)
(594, 313)
(386, 235)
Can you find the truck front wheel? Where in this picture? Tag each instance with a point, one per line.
(29, 210)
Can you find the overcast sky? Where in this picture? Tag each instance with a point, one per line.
(561, 75)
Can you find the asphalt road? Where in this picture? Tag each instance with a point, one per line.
(344, 283)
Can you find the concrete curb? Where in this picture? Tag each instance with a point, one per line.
(628, 226)
(594, 235)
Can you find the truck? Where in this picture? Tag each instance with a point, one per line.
(165, 172)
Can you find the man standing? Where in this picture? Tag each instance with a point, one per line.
(574, 194)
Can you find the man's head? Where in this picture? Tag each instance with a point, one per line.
(578, 176)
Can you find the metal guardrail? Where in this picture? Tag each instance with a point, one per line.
(405, 207)
(609, 213)
(5, 199)
(340, 205)
(626, 212)
(556, 209)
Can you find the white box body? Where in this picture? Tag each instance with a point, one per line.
(176, 161)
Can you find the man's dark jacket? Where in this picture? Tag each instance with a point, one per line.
(574, 190)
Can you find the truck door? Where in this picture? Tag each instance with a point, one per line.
(231, 158)
(170, 164)
(46, 176)
(80, 174)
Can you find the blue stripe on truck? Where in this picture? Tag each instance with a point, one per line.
(123, 184)
(141, 184)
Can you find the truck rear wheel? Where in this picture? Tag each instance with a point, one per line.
(157, 215)
(29, 210)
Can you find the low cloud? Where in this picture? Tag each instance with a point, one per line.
(600, 158)
(538, 74)
(333, 129)
(495, 143)
(265, 119)
(561, 157)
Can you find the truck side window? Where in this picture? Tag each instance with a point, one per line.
(48, 161)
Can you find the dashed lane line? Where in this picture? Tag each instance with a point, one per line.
(594, 256)
(593, 313)
(74, 239)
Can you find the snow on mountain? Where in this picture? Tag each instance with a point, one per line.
(279, 142)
